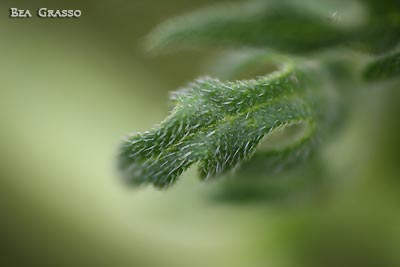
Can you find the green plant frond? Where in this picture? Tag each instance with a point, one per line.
(284, 25)
(385, 67)
(290, 26)
(223, 124)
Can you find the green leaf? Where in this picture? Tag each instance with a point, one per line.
(283, 25)
(223, 124)
(384, 67)
(382, 7)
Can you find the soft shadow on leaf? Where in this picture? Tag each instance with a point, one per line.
(385, 67)
(300, 184)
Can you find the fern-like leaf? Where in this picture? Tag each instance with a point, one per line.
(222, 124)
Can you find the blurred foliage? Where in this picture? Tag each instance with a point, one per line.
(387, 66)
(222, 125)
(285, 25)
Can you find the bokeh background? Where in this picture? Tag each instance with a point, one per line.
(70, 89)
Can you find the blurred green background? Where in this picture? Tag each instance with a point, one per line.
(70, 89)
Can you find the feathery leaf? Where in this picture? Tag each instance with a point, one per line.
(222, 124)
